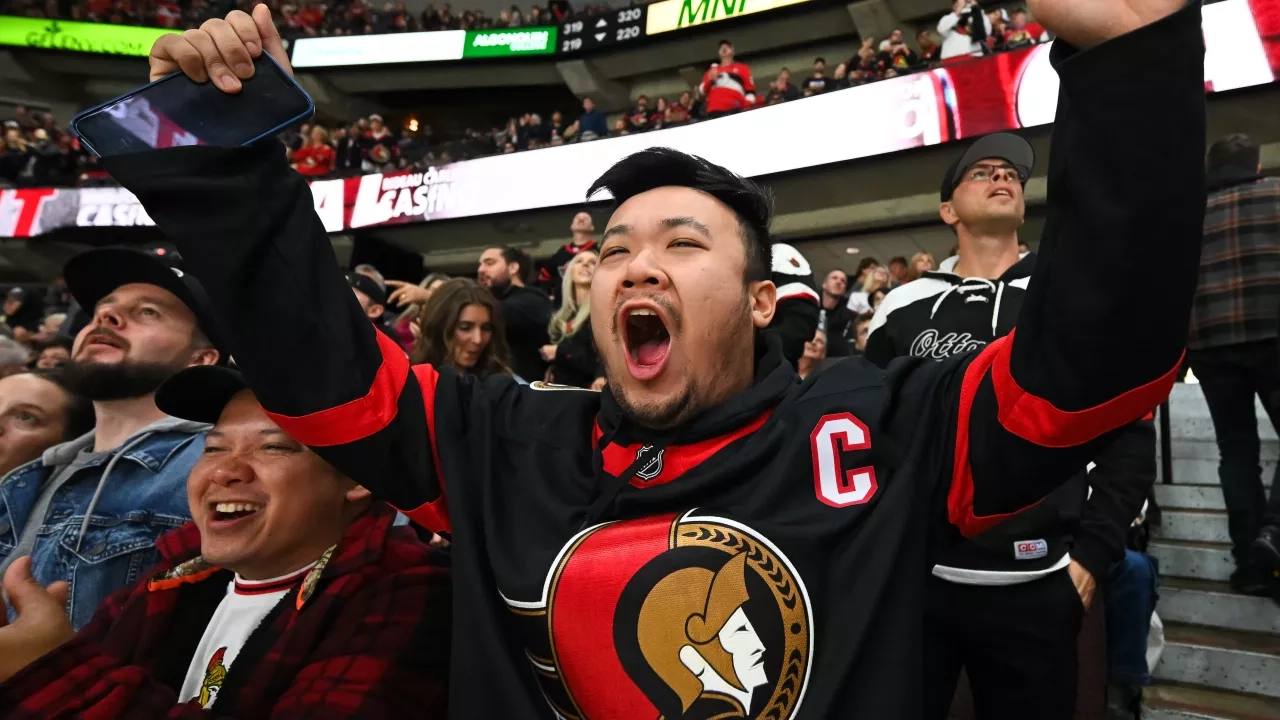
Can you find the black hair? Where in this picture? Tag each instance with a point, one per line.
(80, 416)
(898, 259)
(516, 255)
(819, 60)
(864, 264)
(659, 167)
(1235, 151)
(722, 43)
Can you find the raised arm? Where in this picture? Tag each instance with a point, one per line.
(246, 226)
(1105, 318)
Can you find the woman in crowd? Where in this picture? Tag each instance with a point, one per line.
(462, 327)
(877, 297)
(815, 351)
(572, 352)
(36, 413)
(677, 113)
(316, 157)
(412, 298)
(860, 302)
(921, 263)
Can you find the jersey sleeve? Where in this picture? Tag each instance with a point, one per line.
(1104, 323)
(246, 227)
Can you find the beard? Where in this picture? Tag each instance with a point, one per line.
(116, 381)
(695, 397)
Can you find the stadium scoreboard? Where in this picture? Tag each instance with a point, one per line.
(611, 28)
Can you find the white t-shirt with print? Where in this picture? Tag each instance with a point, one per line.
(246, 603)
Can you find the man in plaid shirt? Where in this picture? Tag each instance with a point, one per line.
(290, 595)
(1232, 345)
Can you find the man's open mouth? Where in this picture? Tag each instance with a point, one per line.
(231, 511)
(646, 339)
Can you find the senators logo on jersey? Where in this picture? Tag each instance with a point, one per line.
(676, 616)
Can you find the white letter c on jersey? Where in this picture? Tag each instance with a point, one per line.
(835, 434)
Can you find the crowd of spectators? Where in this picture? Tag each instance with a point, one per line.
(300, 19)
(369, 145)
(35, 151)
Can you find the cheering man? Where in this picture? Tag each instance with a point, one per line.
(710, 537)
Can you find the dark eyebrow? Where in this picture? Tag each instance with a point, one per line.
(615, 230)
(263, 431)
(672, 223)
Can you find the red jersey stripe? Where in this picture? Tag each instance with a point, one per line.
(1036, 420)
(358, 418)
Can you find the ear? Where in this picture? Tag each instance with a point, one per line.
(204, 356)
(948, 214)
(763, 296)
(375, 311)
(356, 494)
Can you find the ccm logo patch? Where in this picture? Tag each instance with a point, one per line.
(1030, 549)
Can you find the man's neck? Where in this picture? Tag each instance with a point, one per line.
(582, 238)
(986, 255)
(119, 420)
(829, 301)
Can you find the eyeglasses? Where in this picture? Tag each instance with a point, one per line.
(986, 172)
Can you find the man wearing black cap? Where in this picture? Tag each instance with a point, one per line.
(89, 510)
(288, 583)
(371, 296)
(1008, 604)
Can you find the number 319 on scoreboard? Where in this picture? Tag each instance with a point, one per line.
(611, 28)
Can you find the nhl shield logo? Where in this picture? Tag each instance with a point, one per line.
(652, 468)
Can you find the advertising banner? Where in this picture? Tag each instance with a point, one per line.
(378, 49)
(1001, 92)
(78, 36)
(512, 42)
(671, 15)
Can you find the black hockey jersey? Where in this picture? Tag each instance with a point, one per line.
(768, 558)
(943, 314)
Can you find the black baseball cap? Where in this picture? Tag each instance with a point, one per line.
(199, 393)
(368, 286)
(95, 274)
(1005, 146)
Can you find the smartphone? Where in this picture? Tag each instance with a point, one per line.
(176, 110)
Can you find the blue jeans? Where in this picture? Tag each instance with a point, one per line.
(1131, 598)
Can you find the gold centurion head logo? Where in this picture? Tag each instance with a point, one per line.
(695, 634)
(676, 616)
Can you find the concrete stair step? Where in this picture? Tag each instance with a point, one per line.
(1221, 659)
(1164, 701)
(1203, 470)
(1200, 427)
(1202, 525)
(1193, 559)
(1213, 604)
(1189, 497)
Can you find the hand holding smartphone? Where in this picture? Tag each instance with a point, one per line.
(227, 84)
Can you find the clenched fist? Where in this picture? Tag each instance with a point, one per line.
(221, 50)
(1085, 23)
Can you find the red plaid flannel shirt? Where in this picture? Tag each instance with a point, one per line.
(372, 641)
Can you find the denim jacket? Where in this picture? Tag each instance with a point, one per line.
(129, 497)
